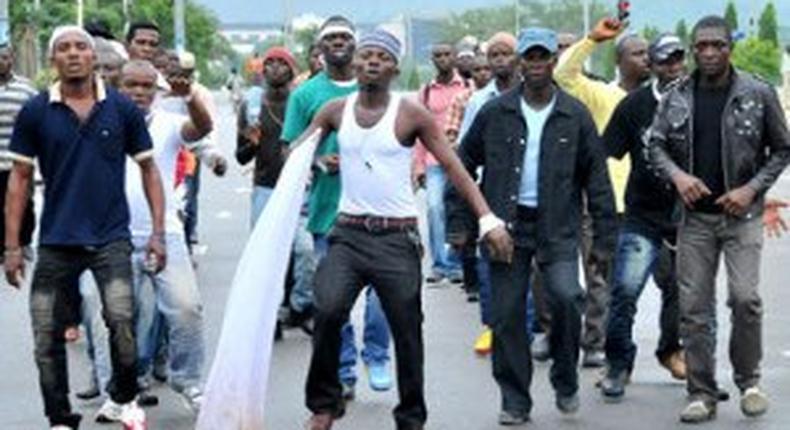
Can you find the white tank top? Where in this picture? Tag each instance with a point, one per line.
(375, 168)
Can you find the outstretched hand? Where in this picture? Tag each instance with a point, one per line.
(773, 222)
(607, 29)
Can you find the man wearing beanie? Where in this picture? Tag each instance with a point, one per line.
(375, 240)
(539, 152)
(337, 41)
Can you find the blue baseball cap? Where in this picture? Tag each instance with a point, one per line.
(534, 37)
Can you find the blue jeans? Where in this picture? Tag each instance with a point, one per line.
(376, 337)
(260, 196)
(192, 183)
(445, 262)
(636, 258)
(304, 260)
(96, 334)
(174, 294)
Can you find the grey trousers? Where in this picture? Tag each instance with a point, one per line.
(702, 238)
(597, 297)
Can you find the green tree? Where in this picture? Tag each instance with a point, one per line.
(650, 32)
(731, 15)
(767, 27)
(682, 32)
(761, 57)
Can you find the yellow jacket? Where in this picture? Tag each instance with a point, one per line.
(600, 98)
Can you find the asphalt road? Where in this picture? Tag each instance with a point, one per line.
(461, 393)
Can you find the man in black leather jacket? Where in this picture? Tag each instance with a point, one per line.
(720, 137)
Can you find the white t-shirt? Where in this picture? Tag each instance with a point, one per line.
(165, 129)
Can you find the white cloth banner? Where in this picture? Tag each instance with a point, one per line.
(235, 392)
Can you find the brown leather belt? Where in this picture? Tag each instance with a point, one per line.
(376, 224)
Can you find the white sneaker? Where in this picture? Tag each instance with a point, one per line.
(61, 427)
(192, 398)
(133, 417)
(754, 402)
(110, 412)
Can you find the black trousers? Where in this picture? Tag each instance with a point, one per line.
(511, 358)
(390, 263)
(53, 277)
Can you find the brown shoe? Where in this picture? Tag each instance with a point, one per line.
(676, 364)
(320, 422)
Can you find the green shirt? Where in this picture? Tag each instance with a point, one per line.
(303, 104)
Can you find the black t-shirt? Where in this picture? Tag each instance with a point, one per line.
(649, 201)
(268, 155)
(708, 110)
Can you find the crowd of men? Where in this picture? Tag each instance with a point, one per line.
(529, 162)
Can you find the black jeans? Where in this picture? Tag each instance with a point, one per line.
(54, 275)
(512, 361)
(390, 263)
(637, 257)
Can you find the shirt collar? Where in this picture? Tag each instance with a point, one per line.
(55, 95)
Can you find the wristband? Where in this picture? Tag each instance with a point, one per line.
(9, 252)
(488, 223)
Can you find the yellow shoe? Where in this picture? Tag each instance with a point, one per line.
(483, 342)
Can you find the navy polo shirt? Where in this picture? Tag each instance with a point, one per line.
(83, 164)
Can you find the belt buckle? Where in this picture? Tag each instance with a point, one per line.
(368, 224)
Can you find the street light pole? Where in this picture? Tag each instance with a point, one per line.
(586, 16)
(178, 25)
(518, 16)
(4, 27)
(80, 12)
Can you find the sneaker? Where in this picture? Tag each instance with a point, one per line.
(379, 377)
(594, 359)
(754, 402)
(484, 342)
(62, 427)
(472, 297)
(540, 347)
(192, 398)
(613, 385)
(456, 278)
(676, 364)
(110, 412)
(568, 404)
(697, 411)
(133, 417)
(507, 418)
(434, 279)
(147, 399)
(348, 391)
(89, 393)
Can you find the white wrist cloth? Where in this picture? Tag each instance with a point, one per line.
(489, 222)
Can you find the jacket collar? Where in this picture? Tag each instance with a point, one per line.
(511, 100)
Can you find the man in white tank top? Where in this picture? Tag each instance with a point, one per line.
(375, 239)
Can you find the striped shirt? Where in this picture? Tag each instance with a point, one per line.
(13, 95)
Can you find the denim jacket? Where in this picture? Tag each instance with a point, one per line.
(572, 162)
(755, 140)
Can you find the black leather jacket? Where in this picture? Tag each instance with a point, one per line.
(572, 161)
(755, 140)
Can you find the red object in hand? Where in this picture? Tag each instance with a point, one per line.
(623, 10)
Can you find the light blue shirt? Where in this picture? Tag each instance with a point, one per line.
(476, 102)
(536, 120)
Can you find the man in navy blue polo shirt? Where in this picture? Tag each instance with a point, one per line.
(81, 133)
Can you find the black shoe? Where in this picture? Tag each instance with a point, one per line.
(593, 359)
(507, 418)
(472, 297)
(568, 404)
(147, 399)
(300, 319)
(278, 332)
(613, 385)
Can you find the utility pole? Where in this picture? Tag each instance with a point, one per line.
(518, 17)
(586, 17)
(80, 12)
(178, 26)
(5, 33)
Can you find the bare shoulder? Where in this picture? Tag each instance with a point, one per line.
(413, 110)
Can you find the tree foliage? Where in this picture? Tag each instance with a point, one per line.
(767, 27)
(761, 57)
(731, 15)
(201, 25)
(682, 32)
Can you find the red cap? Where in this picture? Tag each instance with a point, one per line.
(282, 53)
